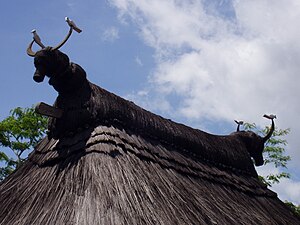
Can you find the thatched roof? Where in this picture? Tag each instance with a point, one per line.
(108, 175)
(108, 161)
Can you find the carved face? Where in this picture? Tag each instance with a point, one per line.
(255, 147)
(49, 63)
(41, 64)
(254, 144)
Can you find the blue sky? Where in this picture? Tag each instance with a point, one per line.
(203, 63)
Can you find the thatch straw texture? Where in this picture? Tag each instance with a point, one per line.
(95, 106)
(105, 175)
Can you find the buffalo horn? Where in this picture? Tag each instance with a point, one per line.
(29, 49)
(64, 41)
(270, 132)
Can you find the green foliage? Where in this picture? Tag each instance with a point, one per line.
(9, 168)
(274, 152)
(295, 208)
(19, 132)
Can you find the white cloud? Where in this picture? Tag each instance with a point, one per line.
(287, 189)
(110, 34)
(240, 64)
(155, 104)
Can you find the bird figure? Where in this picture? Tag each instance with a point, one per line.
(271, 116)
(37, 38)
(72, 24)
(239, 123)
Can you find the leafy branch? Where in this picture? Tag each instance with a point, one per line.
(19, 132)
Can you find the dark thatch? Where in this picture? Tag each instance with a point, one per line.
(108, 161)
(107, 176)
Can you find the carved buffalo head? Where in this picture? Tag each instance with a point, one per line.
(255, 143)
(50, 61)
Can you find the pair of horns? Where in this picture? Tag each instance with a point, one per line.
(271, 117)
(37, 39)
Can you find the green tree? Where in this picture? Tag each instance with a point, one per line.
(274, 152)
(19, 132)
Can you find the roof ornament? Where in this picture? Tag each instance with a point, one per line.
(239, 123)
(72, 24)
(253, 142)
(37, 39)
(271, 117)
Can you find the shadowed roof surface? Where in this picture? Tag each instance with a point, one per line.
(107, 176)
